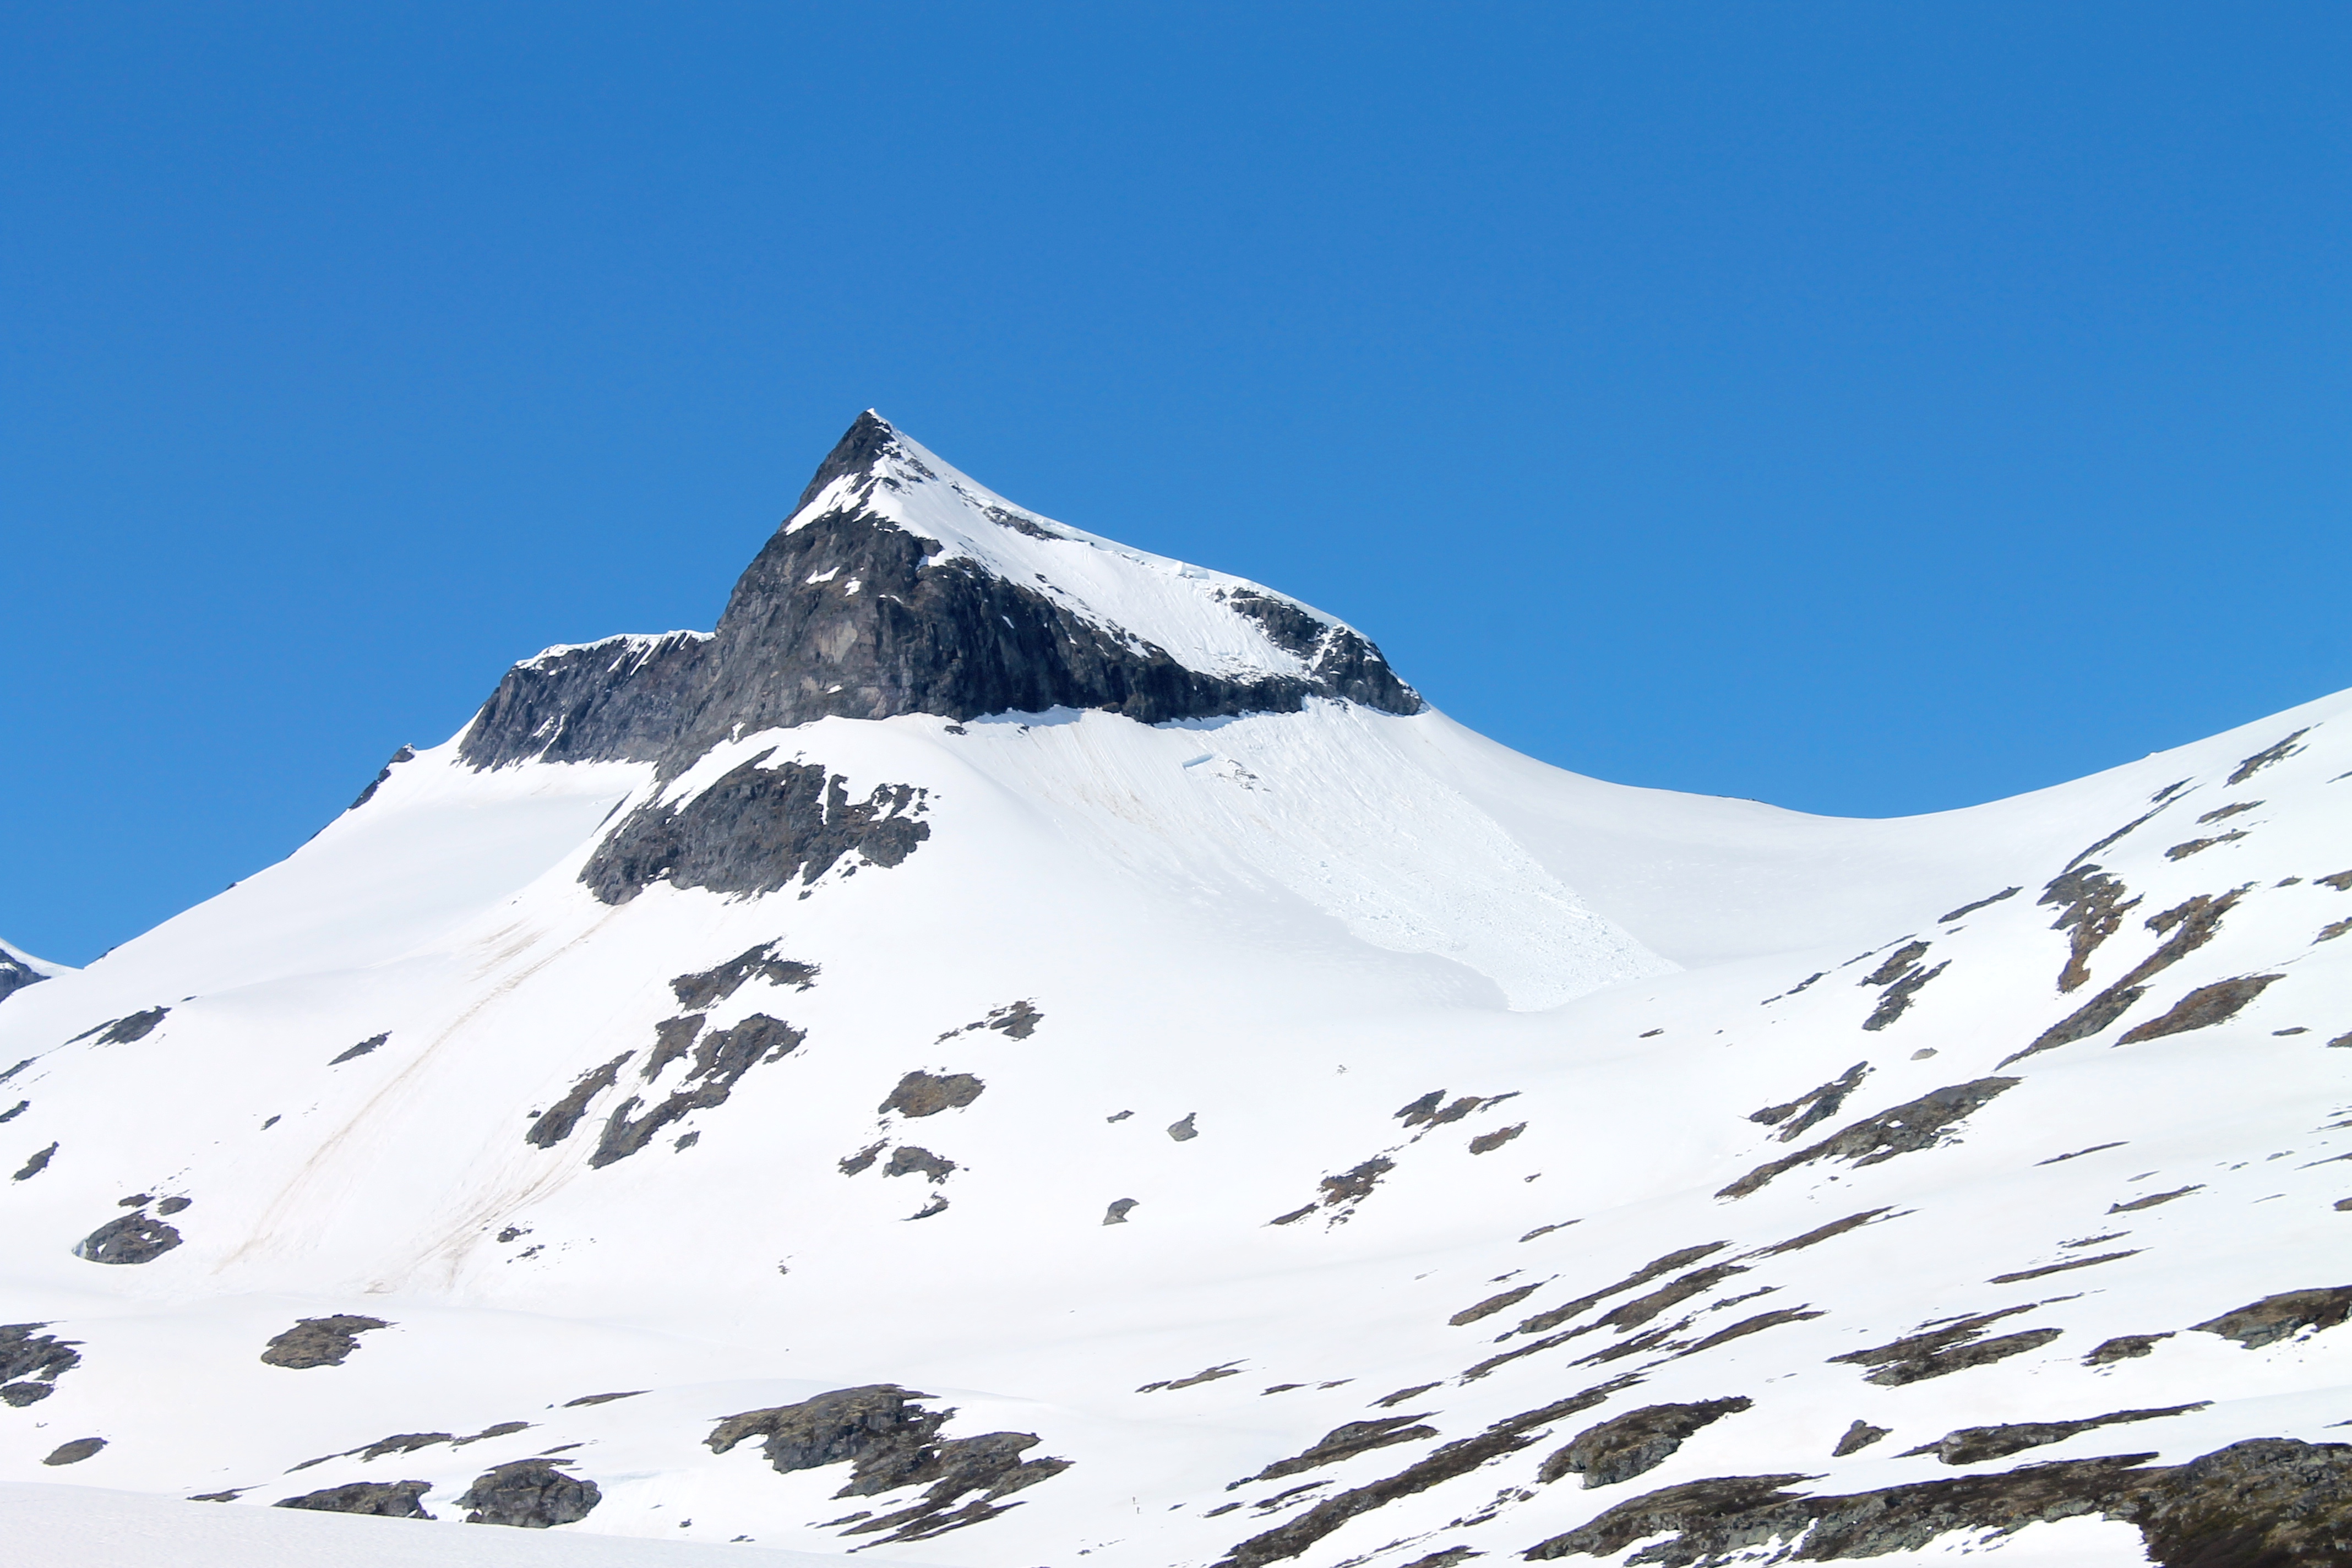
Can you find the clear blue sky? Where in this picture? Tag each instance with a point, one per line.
(1869, 408)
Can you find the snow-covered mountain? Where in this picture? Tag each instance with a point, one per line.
(20, 969)
(1013, 1049)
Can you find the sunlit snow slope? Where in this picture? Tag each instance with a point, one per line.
(1013, 1048)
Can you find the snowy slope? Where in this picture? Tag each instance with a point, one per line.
(1322, 1047)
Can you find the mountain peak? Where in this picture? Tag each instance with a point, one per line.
(860, 446)
(900, 585)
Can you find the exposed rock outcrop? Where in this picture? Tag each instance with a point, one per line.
(133, 1238)
(1344, 1442)
(846, 614)
(1975, 1445)
(529, 1494)
(319, 1341)
(15, 974)
(1939, 1353)
(31, 1362)
(1636, 1442)
(927, 1094)
(1918, 1124)
(2283, 1315)
(890, 1441)
(701, 993)
(721, 1060)
(2264, 1504)
(387, 1499)
(753, 830)
(1458, 1457)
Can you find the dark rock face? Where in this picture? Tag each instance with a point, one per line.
(2202, 1009)
(721, 1060)
(956, 1468)
(1904, 1129)
(926, 1094)
(890, 1441)
(2190, 926)
(2123, 1347)
(15, 974)
(31, 1364)
(1014, 1020)
(1975, 1445)
(555, 1123)
(2279, 751)
(992, 1461)
(2283, 1315)
(907, 1161)
(1898, 997)
(1635, 1443)
(405, 754)
(1118, 1210)
(1980, 903)
(753, 831)
(133, 1238)
(1487, 1142)
(529, 1494)
(1345, 1442)
(2090, 909)
(849, 616)
(2265, 1503)
(36, 1164)
(1817, 1105)
(699, 993)
(363, 1048)
(74, 1452)
(1862, 1434)
(319, 1341)
(387, 1500)
(622, 700)
(1492, 1305)
(1941, 1351)
(1458, 1457)
(138, 1026)
(875, 1422)
(673, 1038)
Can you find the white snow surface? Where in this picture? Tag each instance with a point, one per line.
(38, 965)
(1277, 931)
(52, 1526)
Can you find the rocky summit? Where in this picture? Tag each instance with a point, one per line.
(1009, 1049)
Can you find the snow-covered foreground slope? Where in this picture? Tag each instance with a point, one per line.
(1228, 1114)
(89, 1527)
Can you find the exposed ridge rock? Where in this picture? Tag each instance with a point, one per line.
(2269, 1501)
(845, 613)
(16, 973)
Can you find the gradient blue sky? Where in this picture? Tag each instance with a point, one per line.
(1868, 408)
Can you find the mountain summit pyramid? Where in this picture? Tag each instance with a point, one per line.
(1012, 1049)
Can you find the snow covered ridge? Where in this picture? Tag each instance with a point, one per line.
(20, 969)
(900, 586)
(1306, 1135)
